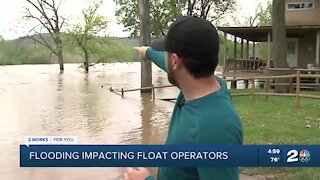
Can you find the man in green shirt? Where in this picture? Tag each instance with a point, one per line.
(203, 113)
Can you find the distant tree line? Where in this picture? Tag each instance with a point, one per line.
(54, 37)
(26, 51)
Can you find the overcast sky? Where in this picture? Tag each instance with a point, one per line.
(11, 13)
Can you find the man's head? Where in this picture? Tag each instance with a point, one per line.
(192, 44)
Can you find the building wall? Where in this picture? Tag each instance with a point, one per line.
(307, 49)
(303, 16)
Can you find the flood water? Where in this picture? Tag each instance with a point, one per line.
(36, 100)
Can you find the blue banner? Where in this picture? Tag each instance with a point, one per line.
(170, 156)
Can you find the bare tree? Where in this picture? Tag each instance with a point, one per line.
(44, 14)
(162, 13)
(249, 20)
(261, 16)
(208, 9)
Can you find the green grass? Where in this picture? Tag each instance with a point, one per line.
(278, 121)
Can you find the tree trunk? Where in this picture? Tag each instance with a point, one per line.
(60, 58)
(279, 42)
(146, 71)
(59, 47)
(86, 62)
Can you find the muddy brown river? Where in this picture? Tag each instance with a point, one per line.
(36, 100)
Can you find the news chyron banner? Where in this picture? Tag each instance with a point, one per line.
(57, 151)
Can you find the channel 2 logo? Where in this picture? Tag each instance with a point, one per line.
(304, 156)
(294, 156)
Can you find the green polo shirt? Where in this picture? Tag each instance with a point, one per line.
(211, 119)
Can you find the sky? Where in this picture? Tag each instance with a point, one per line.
(11, 12)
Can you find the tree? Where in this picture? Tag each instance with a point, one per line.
(84, 36)
(279, 41)
(211, 10)
(144, 18)
(261, 17)
(45, 15)
(162, 13)
(265, 15)
(3, 45)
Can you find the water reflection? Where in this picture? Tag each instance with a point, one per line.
(90, 110)
(147, 107)
(59, 106)
(60, 82)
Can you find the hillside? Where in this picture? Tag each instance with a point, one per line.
(128, 42)
(24, 51)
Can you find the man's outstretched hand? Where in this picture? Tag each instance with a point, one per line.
(142, 51)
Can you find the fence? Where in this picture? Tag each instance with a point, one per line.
(266, 80)
(253, 92)
(246, 65)
(152, 87)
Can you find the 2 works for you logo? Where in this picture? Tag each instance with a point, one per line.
(47, 140)
(304, 156)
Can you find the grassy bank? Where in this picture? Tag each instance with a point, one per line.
(277, 121)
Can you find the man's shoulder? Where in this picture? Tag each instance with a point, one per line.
(221, 81)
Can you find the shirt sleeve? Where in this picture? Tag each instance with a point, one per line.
(150, 178)
(158, 57)
(209, 173)
(223, 83)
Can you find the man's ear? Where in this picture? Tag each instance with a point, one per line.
(177, 63)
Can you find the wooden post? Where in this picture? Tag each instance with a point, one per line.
(268, 64)
(225, 53)
(146, 71)
(269, 51)
(235, 47)
(291, 81)
(248, 50)
(255, 63)
(253, 89)
(153, 93)
(298, 89)
(318, 53)
(318, 49)
(267, 87)
(247, 63)
(241, 55)
(234, 84)
(254, 50)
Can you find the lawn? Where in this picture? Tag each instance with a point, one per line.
(278, 121)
